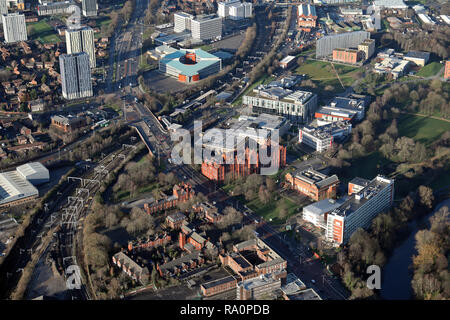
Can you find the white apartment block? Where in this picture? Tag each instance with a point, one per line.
(81, 40)
(14, 27)
(89, 8)
(359, 210)
(206, 28)
(182, 21)
(75, 75)
(234, 9)
(3, 7)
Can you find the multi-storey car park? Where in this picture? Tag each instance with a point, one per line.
(190, 65)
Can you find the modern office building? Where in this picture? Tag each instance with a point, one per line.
(206, 27)
(297, 106)
(190, 65)
(203, 27)
(321, 138)
(81, 40)
(54, 8)
(75, 75)
(351, 108)
(3, 7)
(234, 9)
(359, 210)
(262, 287)
(316, 213)
(313, 184)
(89, 8)
(14, 27)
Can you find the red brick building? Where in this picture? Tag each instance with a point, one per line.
(218, 286)
(306, 16)
(347, 55)
(253, 258)
(447, 70)
(181, 193)
(175, 221)
(158, 240)
(313, 184)
(218, 172)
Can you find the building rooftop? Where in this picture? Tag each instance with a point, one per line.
(308, 294)
(262, 280)
(314, 177)
(32, 168)
(179, 261)
(203, 60)
(323, 206)
(356, 200)
(281, 94)
(418, 55)
(293, 285)
(176, 217)
(287, 59)
(217, 282)
(327, 130)
(14, 186)
(307, 10)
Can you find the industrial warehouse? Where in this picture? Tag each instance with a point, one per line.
(17, 186)
(190, 65)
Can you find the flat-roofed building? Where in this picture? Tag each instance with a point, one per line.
(367, 47)
(14, 27)
(359, 210)
(182, 21)
(75, 75)
(297, 106)
(206, 27)
(347, 55)
(54, 8)
(287, 61)
(322, 137)
(35, 172)
(351, 108)
(89, 8)
(234, 9)
(356, 185)
(218, 286)
(263, 287)
(418, 57)
(313, 184)
(81, 40)
(447, 70)
(316, 213)
(15, 189)
(308, 294)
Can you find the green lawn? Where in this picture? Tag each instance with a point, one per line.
(43, 32)
(430, 69)
(270, 210)
(421, 129)
(323, 75)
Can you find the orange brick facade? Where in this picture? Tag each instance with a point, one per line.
(447, 70)
(181, 193)
(347, 55)
(304, 21)
(218, 172)
(311, 190)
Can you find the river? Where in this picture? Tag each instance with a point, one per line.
(396, 277)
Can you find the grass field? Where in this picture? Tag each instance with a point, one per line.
(430, 69)
(421, 129)
(322, 74)
(44, 32)
(271, 210)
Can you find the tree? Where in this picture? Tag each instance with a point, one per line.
(426, 196)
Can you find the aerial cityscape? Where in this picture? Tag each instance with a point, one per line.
(224, 150)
